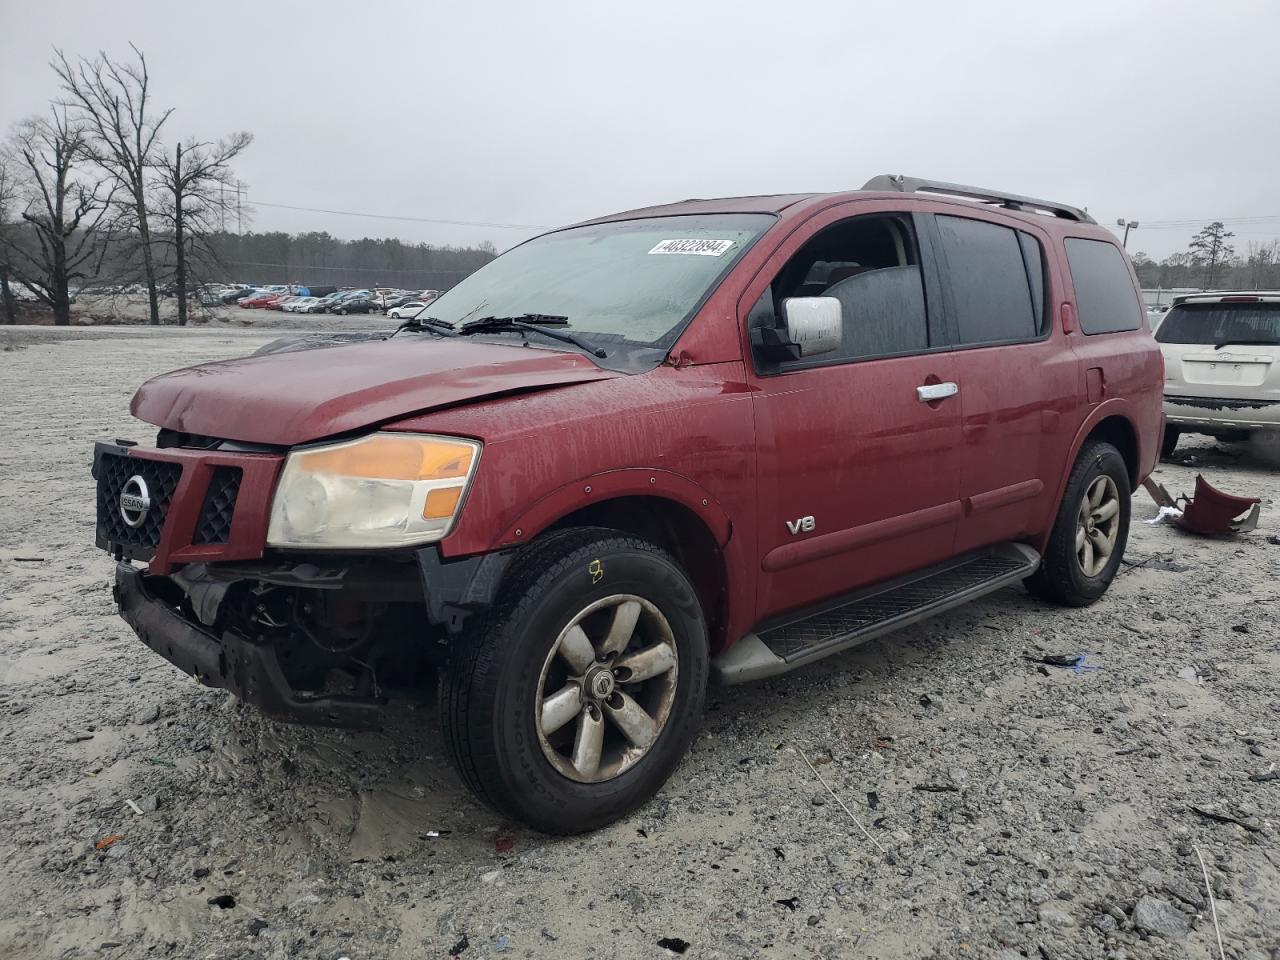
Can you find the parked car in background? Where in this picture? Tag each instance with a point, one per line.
(1221, 365)
(733, 436)
(257, 301)
(390, 303)
(406, 310)
(343, 296)
(281, 302)
(354, 305)
(300, 304)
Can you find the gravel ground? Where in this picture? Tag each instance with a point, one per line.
(1013, 808)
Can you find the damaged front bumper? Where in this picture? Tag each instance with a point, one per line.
(183, 617)
(229, 661)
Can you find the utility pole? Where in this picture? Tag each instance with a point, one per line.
(1128, 225)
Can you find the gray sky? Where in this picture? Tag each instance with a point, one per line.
(548, 112)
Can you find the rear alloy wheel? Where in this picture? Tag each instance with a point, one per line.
(1090, 532)
(576, 697)
(1098, 525)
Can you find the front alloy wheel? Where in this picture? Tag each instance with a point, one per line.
(614, 672)
(576, 697)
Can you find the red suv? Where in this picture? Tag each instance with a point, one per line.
(720, 437)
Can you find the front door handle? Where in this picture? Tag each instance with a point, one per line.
(936, 391)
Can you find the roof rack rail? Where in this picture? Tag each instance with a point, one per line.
(1013, 201)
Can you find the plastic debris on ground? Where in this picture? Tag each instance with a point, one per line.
(1165, 514)
(1208, 512)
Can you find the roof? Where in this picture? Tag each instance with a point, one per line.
(773, 203)
(882, 187)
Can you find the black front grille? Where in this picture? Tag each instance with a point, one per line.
(214, 525)
(161, 478)
(176, 438)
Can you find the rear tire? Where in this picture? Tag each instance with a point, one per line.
(1169, 443)
(1073, 571)
(577, 770)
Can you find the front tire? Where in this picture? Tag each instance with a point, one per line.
(1169, 442)
(576, 699)
(1091, 530)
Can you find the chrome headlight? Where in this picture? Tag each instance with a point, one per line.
(384, 490)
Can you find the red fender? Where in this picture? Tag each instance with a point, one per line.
(610, 485)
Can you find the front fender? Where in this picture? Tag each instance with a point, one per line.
(611, 485)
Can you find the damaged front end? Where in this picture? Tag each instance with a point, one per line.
(326, 644)
(302, 643)
(307, 637)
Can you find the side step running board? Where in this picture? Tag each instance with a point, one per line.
(788, 643)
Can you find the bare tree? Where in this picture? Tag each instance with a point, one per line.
(1210, 250)
(7, 197)
(192, 179)
(1260, 260)
(114, 100)
(61, 210)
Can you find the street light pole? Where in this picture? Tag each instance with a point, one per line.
(1128, 225)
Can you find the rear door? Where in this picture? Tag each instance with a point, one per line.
(857, 470)
(1019, 384)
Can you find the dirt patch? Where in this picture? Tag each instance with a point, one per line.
(1025, 809)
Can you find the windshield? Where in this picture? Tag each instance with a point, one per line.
(1215, 323)
(632, 282)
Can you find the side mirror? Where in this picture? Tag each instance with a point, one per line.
(813, 324)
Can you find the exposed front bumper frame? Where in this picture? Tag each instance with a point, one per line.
(231, 662)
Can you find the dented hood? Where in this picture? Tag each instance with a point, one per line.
(289, 398)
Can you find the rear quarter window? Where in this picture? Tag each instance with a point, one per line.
(1106, 300)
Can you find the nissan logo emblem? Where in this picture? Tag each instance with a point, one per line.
(135, 501)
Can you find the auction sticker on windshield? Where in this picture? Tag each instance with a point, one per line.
(699, 248)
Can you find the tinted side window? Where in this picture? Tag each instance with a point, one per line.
(1105, 298)
(993, 300)
(872, 266)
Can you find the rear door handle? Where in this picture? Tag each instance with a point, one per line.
(936, 391)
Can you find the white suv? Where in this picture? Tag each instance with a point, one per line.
(1221, 365)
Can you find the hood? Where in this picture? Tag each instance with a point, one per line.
(289, 398)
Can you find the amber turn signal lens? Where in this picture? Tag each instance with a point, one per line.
(393, 457)
(441, 503)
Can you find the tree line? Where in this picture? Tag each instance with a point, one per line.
(1210, 262)
(92, 194)
(319, 258)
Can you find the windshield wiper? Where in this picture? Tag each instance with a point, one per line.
(537, 322)
(1246, 343)
(417, 324)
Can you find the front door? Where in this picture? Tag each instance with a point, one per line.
(858, 449)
